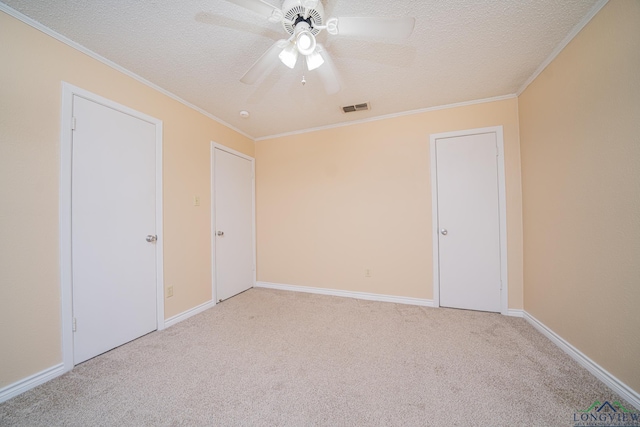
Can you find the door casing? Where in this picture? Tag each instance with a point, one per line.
(502, 200)
(214, 146)
(66, 140)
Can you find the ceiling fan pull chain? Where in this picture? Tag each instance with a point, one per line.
(304, 69)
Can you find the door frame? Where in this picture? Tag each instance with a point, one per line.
(214, 146)
(502, 211)
(66, 153)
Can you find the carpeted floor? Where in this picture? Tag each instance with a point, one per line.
(267, 358)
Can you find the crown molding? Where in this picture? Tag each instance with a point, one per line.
(390, 116)
(77, 46)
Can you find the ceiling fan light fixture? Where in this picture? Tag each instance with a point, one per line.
(289, 56)
(314, 60)
(305, 42)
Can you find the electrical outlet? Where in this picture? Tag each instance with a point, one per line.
(367, 272)
(169, 291)
(196, 200)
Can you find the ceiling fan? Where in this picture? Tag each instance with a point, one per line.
(303, 20)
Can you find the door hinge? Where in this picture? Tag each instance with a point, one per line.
(74, 324)
(73, 123)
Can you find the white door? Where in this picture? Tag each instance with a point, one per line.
(113, 210)
(468, 222)
(233, 228)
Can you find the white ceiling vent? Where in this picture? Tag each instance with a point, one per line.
(357, 107)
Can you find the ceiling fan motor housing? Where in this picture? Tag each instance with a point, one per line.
(293, 11)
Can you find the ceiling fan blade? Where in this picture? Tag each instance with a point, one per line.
(261, 7)
(328, 72)
(264, 64)
(376, 27)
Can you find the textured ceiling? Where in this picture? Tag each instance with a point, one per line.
(460, 50)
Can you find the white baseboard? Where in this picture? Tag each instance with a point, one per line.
(30, 382)
(598, 371)
(186, 314)
(35, 380)
(348, 294)
(515, 312)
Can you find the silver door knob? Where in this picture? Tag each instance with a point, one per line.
(151, 238)
(220, 233)
(443, 231)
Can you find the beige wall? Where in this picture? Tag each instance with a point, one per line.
(580, 127)
(33, 67)
(332, 203)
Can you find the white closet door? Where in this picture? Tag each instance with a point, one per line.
(233, 200)
(113, 212)
(468, 222)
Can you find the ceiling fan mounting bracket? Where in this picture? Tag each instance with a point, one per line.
(276, 16)
(300, 19)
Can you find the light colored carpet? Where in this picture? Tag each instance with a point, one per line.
(267, 358)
